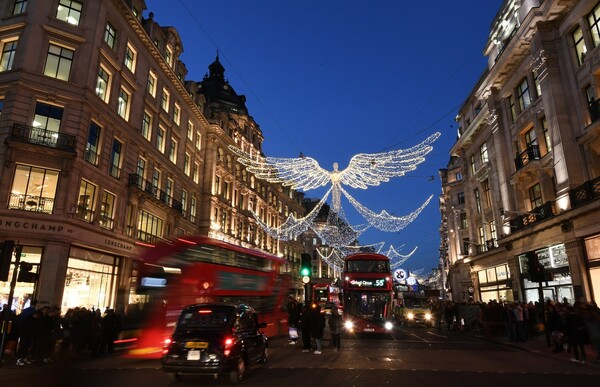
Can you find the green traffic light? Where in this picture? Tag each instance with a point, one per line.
(305, 271)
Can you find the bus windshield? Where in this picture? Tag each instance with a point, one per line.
(368, 305)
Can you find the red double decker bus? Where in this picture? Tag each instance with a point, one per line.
(198, 270)
(368, 294)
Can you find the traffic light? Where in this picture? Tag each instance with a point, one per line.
(6, 254)
(306, 269)
(25, 274)
(536, 271)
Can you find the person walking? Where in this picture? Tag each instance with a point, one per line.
(293, 319)
(576, 332)
(305, 325)
(335, 327)
(317, 326)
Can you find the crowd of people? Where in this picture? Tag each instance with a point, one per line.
(310, 320)
(566, 326)
(38, 333)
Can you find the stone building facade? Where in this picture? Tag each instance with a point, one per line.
(524, 174)
(108, 149)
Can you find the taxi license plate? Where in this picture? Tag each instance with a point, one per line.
(196, 344)
(193, 355)
(369, 330)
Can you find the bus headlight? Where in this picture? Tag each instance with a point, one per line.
(427, 316)
(349, 325)
(389, 325)
(410, 316)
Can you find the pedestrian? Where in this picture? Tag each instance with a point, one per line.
(26, 327)
(111, 326)
(293, 319)
(335, 327)
(555, 326)
(305, 325)
(576, 332)
(317, 326)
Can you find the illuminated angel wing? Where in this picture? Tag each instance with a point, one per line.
(300, 173)
(372, 169)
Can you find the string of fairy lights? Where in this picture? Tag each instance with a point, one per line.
(363, 171)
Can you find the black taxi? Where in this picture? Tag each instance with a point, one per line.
(215, 339)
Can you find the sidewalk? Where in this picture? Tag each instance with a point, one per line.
(539, 346)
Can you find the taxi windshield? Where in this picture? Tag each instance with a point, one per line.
(412, 303)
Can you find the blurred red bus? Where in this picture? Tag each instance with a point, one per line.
(201, 269)
(326, 295)
(367, 293)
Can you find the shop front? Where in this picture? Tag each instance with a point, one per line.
(24, 291)
(495, 284)
(592, 250)
(558, 286)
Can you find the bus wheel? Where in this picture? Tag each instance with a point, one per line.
(237, 375)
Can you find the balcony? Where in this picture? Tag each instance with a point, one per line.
(40, 136)
(154, 192)
(543, 212)
(31, 203)
(531, 153)
(585, 193)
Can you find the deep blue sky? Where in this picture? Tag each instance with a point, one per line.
(335, 78)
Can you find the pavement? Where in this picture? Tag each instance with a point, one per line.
(535, 345)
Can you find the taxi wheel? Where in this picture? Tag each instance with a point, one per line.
(239, 373)
(175, 376)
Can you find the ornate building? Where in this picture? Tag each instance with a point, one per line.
(525, 171)
(108, 149)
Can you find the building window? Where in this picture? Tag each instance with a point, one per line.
(160, 140)
(147, 125)
(141, 168)
(47, 117)
(523, 95)
(535, 196)
(530, 138)
(177, 113)
(169, 190)
(156, 178)
(512, 108)
(86, 201)
(483, 152)
(190, 130)
(58, 62)
(9, 48)
(116, 159)
(196, 172)
(579, 45)
(198, 140)
(107, 209)
(33, 189)
(464, 223)
(93, 144)
(130, 57)
(187, 164)
(169, 56)
(69, 11)
(103, 84)
(164, 102)
(493, 232)
(458, 176)
(151, 86)
(594, 22)
(461, 198)
(488, 194)
(547, 139)
(150, 227)
(481, 236)
(192, 209)
(472, 164)
(477, 200)
(173, 151)
(184, 200)
(123, 104)
(110, 35)
(20, 7)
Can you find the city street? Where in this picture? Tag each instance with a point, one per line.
(414, 355)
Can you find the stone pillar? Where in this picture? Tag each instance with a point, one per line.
(581, 288)
(53, 271)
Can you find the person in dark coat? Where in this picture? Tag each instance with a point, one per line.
(111, 326)
(576, 332)
(317, 326)
(305, 325)
(293, 319)
(335, 327)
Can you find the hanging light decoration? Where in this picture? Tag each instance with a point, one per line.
(397, 259)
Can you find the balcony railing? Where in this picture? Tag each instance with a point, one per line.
(43, 137)
(543, 212)
(137, 181)
(531, 153)
(585, 193)
(31, 203)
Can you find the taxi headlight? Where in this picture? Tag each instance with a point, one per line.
(410, 316)
(427, 316)
(389, 325)
(349, 325)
